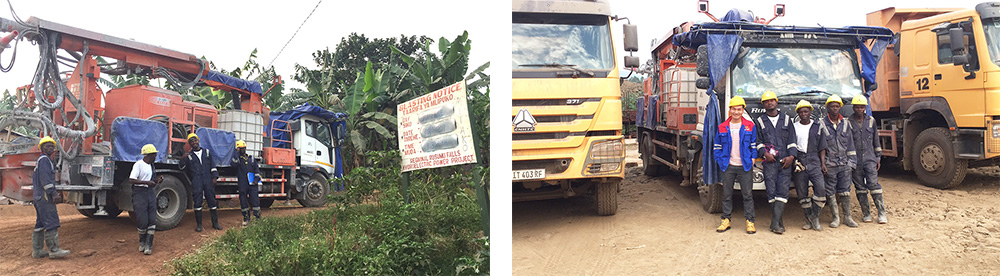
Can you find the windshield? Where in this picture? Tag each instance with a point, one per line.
(787, 71)
(580, 41)
(991, 28)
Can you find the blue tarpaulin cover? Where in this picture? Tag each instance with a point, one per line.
(640, 110)
(221, 144)
(247, 85)
(723, 46)
(128, 135)
(339, 127)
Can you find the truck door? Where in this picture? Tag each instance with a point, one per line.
(964, 91)
(317, 146)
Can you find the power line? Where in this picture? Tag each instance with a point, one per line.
(296, 32)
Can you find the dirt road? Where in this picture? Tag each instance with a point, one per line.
(661, 229)
(108, 246)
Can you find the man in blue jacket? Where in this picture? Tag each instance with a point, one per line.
(246, 164)
(43, 183)
(202, 173)
(776, 143)
(869, 161)
(841, 158)
(734, 150)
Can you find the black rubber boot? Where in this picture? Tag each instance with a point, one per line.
(52, 239)
(38, 244)
(831, 201)
(142, 242)
(256, 212)
(197, 219)
(880, 206)
(866, 212)
(807, 211)
(845, 207)
(777, 208)
(149, 244)
(246, 217)
(215, 219)
(814, 221)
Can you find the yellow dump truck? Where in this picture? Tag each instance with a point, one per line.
(566, 107)
(939, 90)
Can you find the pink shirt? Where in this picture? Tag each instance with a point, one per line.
(734, 133)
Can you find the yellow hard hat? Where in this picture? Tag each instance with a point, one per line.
(737, 101)
(46, 139)
(768, 95)
(192, 135)
(803, 104)
(148, 149)
(834, 98)
(241, 143)
(859, 100)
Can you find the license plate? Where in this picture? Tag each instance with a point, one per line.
(529, 174)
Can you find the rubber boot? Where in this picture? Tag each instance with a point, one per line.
(880, 206)
(831, 202)
(52, 239)
(256, 212)
(866, 212)
(38, 244)
(215, 219)
(197, 219)
(149, 245)
(142, 242)
(246, 217)
(777, 209)
(807, 211)
(845, 206)
(814, 221)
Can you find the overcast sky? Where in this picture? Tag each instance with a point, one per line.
(226, 32)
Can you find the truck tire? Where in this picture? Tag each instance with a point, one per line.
(171, 203)
(702, 61)
(315, 192)
(934, 159)
(111, 208)
(266, 202)
(651, 167)
(607, 197)
(710, 195)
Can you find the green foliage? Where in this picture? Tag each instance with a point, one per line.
(370, 232)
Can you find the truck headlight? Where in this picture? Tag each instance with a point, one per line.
(996, 130)
(607, 149)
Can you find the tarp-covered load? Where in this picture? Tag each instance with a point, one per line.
(128, 135)
(338, 125)
(221, 144)
(247, 85)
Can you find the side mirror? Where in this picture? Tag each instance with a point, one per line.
(957, 37)
(631, 61)
(703, 6)
(779, 10)
(631, 38)
(294, 125)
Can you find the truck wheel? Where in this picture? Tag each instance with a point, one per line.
(934, 159)
(315, 192)
(651, 167)
(607, 197)
(111, 208)
(711, 195)
(266, 202)
(171, 202)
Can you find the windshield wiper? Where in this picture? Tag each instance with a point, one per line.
(808, 92)
(559, 65)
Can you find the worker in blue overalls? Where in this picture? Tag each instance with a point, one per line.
(202, 173)
(776, 143)
(43, 184)
(811, 143)
(248, 177)
(144, 197)
(735, 150)
(869, 161)
(841, 158)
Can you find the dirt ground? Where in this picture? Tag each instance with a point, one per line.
(110, 246)
(661, 229)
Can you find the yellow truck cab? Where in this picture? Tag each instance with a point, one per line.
(566, 101)
(939, 101)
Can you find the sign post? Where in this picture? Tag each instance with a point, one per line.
(435, 130)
